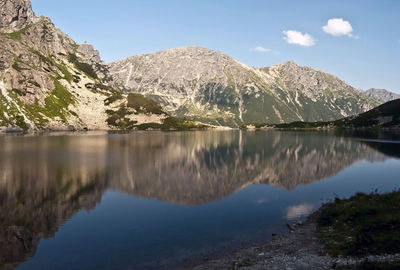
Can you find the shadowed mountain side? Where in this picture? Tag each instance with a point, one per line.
(45, 180)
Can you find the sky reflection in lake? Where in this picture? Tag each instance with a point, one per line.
(154, 199)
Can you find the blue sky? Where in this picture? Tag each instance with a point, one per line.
(368, 56)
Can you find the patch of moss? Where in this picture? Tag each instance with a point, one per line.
(119, 120)
(174, 123)
(111, 99)
(56, 104)
(18, 34)
(19, 121)
(144, 105)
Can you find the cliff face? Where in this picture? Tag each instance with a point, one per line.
(212, 87)
(15, 15)
(49, 82)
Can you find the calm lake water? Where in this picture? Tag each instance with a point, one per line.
(151, 200)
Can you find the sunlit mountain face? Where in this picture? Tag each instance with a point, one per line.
(46, 180)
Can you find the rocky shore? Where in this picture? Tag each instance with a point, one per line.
(300, 249)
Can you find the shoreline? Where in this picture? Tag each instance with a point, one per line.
(300, 249)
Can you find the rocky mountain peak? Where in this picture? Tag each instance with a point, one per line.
(89, 52)
(15, 15)
(212, 87)
(382, 94)
(289, 64)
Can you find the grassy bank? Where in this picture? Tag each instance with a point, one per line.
(363, 225)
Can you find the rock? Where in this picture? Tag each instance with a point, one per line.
(47, 80)
(15, 15)
(71, 128)
(89, 52)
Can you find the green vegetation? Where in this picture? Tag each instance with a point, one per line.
(372, 119)
(172, 124)
(18, 34)
(114, 97)
(390, 109)
(144, 105)
(56, 104)
(119, 120)
(362, 225)
(51, 62)
(304, 125)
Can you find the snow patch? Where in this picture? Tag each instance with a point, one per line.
(129, 75)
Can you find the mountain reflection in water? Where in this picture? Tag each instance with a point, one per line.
(45, 180)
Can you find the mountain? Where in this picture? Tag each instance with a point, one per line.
(382, 94)
(50, 82)
(212, 87)
(385, 116)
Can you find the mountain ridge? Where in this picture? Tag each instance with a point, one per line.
(50, 82)
(194, 82)
(385, 116)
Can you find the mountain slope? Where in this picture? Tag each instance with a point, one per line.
(212, 87)
(49, 82)
(382, 94)
(386, 115)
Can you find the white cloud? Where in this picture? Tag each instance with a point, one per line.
(261, 49)
(298, 38)
(338, 27)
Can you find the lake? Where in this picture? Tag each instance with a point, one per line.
(154, 200)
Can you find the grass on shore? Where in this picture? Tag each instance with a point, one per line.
(363, 224)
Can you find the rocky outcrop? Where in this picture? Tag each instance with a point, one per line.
(382, 94)
(212, 87)
(15, 15)
(49, 82)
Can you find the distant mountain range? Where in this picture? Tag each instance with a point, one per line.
(382, 94)
(214, 88)
(50, 82)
